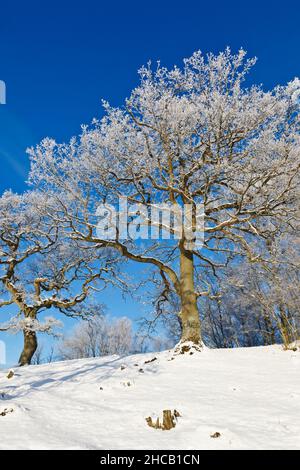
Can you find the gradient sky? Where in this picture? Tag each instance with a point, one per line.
(58, 59)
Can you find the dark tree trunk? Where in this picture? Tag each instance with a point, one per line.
(30, 346)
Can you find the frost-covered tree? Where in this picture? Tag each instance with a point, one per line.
(186, 136)
(98, 337)
(41, 268)
(258, 303)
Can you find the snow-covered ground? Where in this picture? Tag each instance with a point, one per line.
(250, 396)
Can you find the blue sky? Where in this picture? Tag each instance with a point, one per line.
(58, 59)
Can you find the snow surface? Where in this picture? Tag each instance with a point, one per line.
(251, 396)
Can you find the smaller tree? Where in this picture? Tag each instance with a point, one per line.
(41, 268)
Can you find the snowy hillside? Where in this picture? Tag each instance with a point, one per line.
(250, 396)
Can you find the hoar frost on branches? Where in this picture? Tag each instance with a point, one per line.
(190, 135)
(17, 324)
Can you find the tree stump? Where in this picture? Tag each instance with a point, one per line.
(169, 420)
(10, 374)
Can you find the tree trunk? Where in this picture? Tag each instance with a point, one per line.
(269, 335)
(30, 346)
(189, 315)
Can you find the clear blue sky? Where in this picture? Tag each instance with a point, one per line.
(59, 59)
